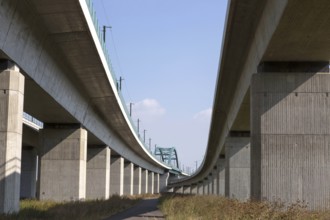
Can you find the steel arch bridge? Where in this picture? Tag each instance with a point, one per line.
(168, 155)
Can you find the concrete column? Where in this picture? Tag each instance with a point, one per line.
(144, 181)
(237, 151)
(137, 180)
(98, 172)
(291, 137)
(29, 173)
(211, 188)
(209, 185)
(11, 113)
(206, 186)
(128, 178)
(62, 159)
(156, 182)
(163, 181)
(151, 182)
(178, 189)
(147, 181)
(200, 188)
(117, 176)
(222, 176)
(215, 182)
(193, 189)
(186, 190)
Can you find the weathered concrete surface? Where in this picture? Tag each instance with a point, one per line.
(117, 176)
(11, 113)
(28, 173)
(30, 137)
(151, 182)
(194, 189)
(215, 184)
(186, 189)
(222, 176)
(163, 179)
(170, 189)
(137, 180)
(144, 182)
(200, 188)
(206, 186)
(30, 145)
(98, 172)
(63, 154)
(238, 168)
(210, 185)
(128, 178)
(290, 137)
(156, 182)
(178, 189)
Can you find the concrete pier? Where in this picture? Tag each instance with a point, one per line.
(290, 137)
(178, 189)
(200, 188)
(212, 179)
(98, 172)
(29, 173)
(137, 180)
(209, 185)
(117, 176)
(128, 178)
(237, 168)
(186, 190)
(163, 181)
(206, 186)
(151, 182)
(222, 176)
(11, 113)
(156, 182)
(215, 183)
(144, 181)
(194, 189)
(63, 154)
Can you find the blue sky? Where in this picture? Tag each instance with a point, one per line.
(168, 54)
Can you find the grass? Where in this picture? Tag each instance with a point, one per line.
(85, 210)
(188, 207)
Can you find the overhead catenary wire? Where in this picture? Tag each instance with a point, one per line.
(122, 80)
(113, 43)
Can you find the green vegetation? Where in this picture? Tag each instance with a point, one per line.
(93, 209)
(188, 207)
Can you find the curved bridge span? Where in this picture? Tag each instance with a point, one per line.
(269, 134)
(54, 67)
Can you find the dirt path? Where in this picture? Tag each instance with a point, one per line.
(146, 209)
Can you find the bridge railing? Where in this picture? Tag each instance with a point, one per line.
(99, 34)
(32, 122)
(106, 54)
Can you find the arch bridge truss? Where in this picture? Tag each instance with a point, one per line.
(167, 155)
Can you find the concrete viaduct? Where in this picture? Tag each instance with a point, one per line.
(270, 130)
(53, 67)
